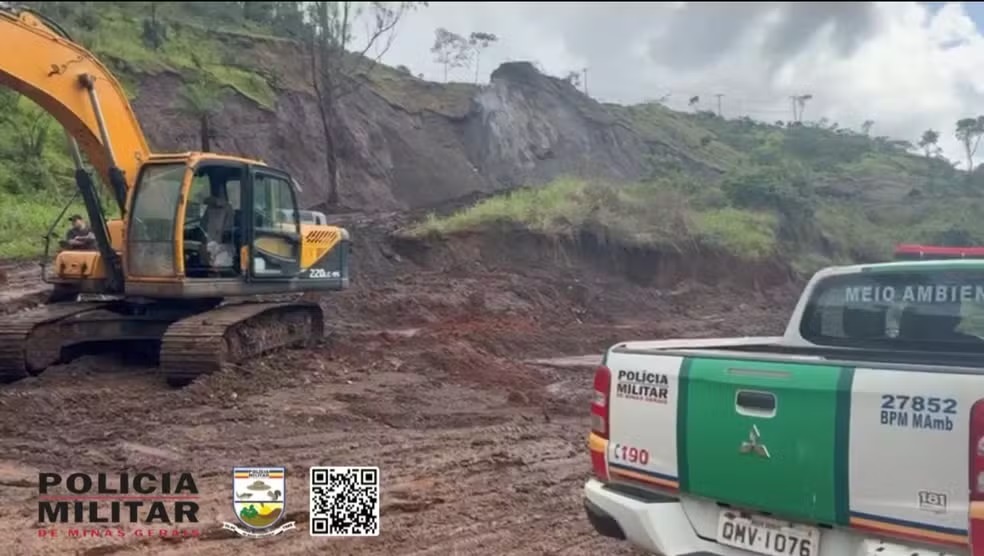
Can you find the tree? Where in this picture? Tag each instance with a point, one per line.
(574, 78)
(201, 99)
(217, 13)
(799, 102)
(969, 131)
(336, 72)
(154, 30)
(30, 124)
(249, 512)
(259, 12)
(866, 126)
(288, 20)
(694, 101)
(479, 41)
(449, 49)
(928, 142)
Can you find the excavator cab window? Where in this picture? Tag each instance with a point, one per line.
(211, 235)
(150, 238)
(275, 249)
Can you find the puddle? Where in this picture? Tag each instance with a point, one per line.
(572, 361)
(403, 332)
(152, 451)
(13, 474)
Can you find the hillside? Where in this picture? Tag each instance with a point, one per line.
(804, 195)
(638, 174)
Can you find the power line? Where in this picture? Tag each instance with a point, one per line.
(682, 106)
(784, 107)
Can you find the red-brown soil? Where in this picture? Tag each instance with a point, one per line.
(424, 371)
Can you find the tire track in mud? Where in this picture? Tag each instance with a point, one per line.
(21, 286)
(510, 486)
(425, 374)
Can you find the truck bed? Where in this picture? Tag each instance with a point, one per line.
(859, 431)
(831, 442)
(772, 349)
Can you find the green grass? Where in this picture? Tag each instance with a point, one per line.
(811, 195)
(33, 190)
(250, 84)
(36, 183)
(679, 132)
(750, 234)
(24, 220)
(642, 214)
(549, 210)
(415, 95)
(189, 48)
(682, 214)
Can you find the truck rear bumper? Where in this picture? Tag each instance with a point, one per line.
(661, 526)
(604, 524)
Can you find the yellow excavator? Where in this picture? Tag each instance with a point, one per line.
(201, 234)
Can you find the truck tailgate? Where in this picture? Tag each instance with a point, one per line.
(764, 435)
(801, 441)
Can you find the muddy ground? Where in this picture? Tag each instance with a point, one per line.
(426, 371)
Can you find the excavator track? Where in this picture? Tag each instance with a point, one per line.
(31, 341)
(201, 344)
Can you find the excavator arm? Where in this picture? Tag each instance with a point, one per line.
(41, 62)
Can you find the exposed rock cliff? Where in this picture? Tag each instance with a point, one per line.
(407, 143)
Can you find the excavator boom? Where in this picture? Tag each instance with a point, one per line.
(63, 78)
(196, 230)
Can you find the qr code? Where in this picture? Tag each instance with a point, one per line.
(344, 501)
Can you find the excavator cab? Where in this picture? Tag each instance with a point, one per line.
(218, 226)
(200, 225)
(201, 234)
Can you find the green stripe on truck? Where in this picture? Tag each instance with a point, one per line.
(794, 464)
(842, 443)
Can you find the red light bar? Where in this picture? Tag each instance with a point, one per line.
(928, 251)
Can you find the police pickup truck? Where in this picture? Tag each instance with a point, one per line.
(859, 432)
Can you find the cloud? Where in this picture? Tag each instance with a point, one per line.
(704, 32)
(907, 66)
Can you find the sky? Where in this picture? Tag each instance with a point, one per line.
(907, 66)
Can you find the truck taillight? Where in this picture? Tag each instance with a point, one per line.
(977, 452)
(598, 440)
(599, 403)
(976, 478)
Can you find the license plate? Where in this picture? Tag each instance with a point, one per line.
(764, 535)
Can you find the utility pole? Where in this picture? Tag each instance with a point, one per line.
(799, 100)
(585, 72)
(719, 95)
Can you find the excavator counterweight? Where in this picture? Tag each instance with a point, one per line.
(201, 234)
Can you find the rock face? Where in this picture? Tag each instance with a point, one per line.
(527, 128)
(406, 143)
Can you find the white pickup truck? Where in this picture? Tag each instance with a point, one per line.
(859, 432)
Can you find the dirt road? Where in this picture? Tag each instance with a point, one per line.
(20, 286)
(427, 370)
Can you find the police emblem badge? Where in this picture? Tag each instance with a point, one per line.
(259, 499)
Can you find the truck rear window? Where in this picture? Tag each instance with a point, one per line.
(932, 309)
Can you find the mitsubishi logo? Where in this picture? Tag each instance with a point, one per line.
(754, 444)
